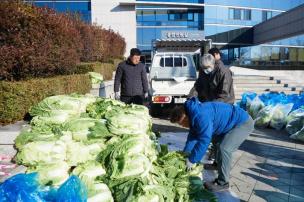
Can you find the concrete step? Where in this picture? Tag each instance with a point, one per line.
(289, 82)
(275, 88)
(262, 85)
(262, 81)
(252, 77)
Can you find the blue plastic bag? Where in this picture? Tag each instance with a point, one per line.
(25, 188)
(245, 97)
(73, 190)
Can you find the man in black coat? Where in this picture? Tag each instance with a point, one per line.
(215, 81)
(131, 79)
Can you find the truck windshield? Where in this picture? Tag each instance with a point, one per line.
(169, 65)
(173, 62)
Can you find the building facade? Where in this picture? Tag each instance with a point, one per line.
(81, 7)
(224, 21)
(227, 23)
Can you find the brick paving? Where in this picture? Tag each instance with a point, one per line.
(269, 166)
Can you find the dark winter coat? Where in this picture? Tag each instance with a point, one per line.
(131, 79)
(216, 86)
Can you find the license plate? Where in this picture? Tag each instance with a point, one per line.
(179, 100)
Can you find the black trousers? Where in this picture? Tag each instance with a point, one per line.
(137, 99)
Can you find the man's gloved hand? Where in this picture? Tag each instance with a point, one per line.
(117, 96)
(146, 95)
(189, 165)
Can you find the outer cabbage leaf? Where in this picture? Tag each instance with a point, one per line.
(78, 152)
(47, 106)
(53, 174)
(122, 122)
(96, 78)
(44, 152)
(102, 106)
(88, 172)
(27, 136)
(100, 192)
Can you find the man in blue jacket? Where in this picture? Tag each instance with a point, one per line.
(231, 124)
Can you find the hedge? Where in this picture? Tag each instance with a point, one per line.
(39, 42)
(17, 97)
(36, 42)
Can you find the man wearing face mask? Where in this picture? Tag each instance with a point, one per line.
(215, 81)
(131, 79)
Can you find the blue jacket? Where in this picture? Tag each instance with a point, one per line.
(207, 119)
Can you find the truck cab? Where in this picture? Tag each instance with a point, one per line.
(172, 75)
(174, 70)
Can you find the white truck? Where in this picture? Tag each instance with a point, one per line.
(172, 76)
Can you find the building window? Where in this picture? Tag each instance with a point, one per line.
(266, 15)
(239, 14)
(180, 16)
(89, 6)
(247, 14)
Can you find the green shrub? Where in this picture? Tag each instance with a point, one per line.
(17, 97)
(83, 68)
(38, 42)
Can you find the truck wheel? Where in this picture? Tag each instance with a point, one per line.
(156, 110)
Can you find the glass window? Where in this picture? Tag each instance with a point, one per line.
(266, 15)
(139, 16)
(265, 53)
(190, 17)
(168, 62)
(237, 14)
(269, 15)
(180, 16)
(171, 16)
(89, 6)
(231, 13)
(284, 53)
(148, 15)
(247, 15)
(161, 15)
(293, 54)
(301, 55)
(255, 53)
(230, 54)
(236, 53)
(275, 53)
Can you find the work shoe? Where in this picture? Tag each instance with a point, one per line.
(215, 186)
(212, 166)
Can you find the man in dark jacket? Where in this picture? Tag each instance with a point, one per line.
(230, 124)
(131, 78)
(215, 81)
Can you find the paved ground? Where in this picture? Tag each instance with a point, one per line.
(268, 166)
